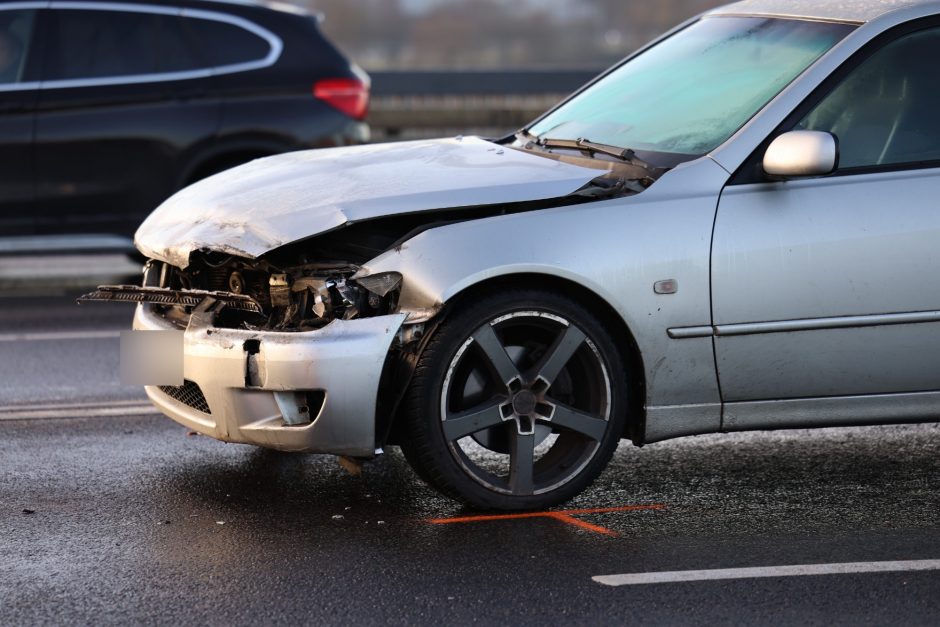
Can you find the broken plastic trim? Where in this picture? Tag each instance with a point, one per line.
(417, 316)
(379, 284)
(166, 296)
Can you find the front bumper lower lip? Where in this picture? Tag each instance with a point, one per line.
(344, 360)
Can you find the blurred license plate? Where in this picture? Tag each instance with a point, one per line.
(152, 357)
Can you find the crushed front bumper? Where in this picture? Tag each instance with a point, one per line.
(248, 386)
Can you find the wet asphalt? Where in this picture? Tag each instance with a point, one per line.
(129, 519)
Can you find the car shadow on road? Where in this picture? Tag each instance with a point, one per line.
(877, 478)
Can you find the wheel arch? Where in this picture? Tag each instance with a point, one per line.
(623, 337)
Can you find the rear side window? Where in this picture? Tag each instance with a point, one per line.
(221, 43)
(16, 31)
(176, 52)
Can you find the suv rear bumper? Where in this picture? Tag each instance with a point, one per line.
(254, 382)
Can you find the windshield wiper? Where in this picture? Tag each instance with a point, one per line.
(586, 145)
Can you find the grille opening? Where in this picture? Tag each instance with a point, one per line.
(188, 394)
(315, 401)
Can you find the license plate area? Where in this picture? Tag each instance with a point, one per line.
(152, 357)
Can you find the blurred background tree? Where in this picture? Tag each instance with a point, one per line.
(497, 34)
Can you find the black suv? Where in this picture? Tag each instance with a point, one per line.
(106, 108)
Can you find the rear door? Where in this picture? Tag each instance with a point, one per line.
(830, 286)
(122, 104)
(19, 55)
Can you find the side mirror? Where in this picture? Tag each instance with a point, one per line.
(802, 153)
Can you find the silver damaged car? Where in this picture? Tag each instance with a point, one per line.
(737, 227)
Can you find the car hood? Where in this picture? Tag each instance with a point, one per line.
(252, 209)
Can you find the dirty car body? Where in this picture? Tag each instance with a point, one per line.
(508, 310)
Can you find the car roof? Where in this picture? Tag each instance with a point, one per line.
(858, 11)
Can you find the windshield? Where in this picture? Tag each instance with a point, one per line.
(691, 92)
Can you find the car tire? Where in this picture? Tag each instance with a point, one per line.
(517, 402)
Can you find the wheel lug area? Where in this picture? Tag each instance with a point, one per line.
(524, 402)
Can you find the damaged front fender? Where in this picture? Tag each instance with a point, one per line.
(440, 263)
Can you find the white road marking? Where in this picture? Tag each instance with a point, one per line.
(59, 335)
(116, 402)
(633, 579)
(77, 410)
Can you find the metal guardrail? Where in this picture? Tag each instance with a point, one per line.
(412, 105)
(478, 82)
(24, 245)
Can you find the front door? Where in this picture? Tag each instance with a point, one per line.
(830, 286)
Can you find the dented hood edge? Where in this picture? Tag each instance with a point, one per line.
(266, 204)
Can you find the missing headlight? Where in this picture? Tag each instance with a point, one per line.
(286, 298)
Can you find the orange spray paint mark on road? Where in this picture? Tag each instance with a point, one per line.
(566, 516)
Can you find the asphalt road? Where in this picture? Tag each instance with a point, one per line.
(110, 518)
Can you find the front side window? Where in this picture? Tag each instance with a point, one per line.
(887, 110)
(16, 30)
(692, 91)
(96, 44)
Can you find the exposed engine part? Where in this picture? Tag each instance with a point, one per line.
(236, 283)
(260, 295)
(280, 290)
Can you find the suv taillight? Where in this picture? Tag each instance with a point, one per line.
(349, 95)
